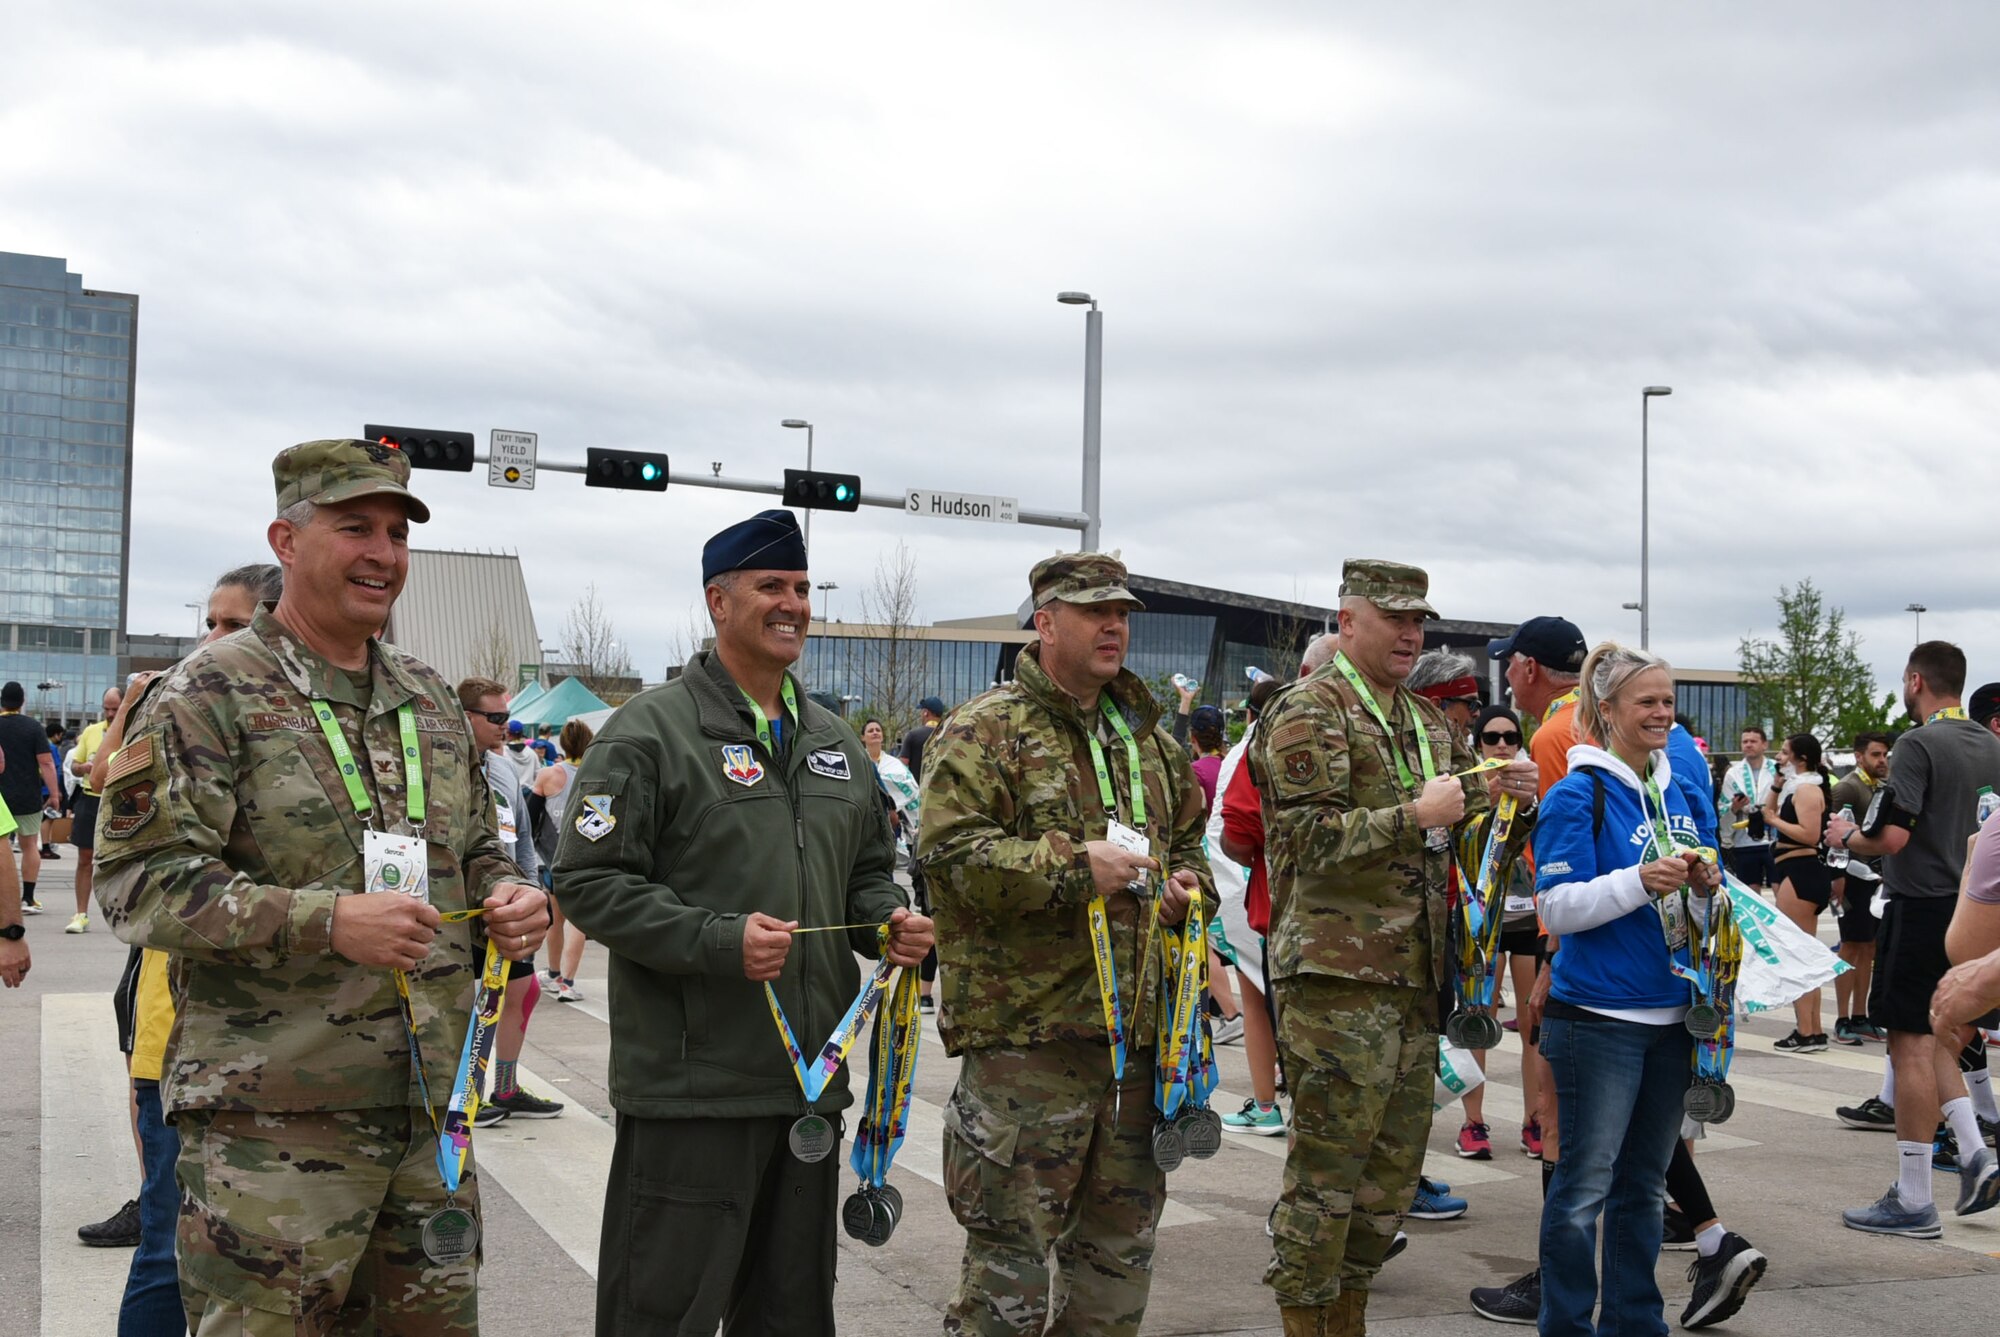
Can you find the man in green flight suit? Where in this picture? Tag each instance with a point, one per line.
(710, 819)
(1048, 802)
(1359, 795)
(279, 774)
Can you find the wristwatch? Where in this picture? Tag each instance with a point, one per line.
(13, 933)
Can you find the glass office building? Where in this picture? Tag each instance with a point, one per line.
(66, 380)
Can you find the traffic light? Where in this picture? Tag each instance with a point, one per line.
(634, 470)
(818, 491)
(425, 448)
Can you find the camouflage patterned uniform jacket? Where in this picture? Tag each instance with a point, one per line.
(1010, 798)
(1354, 892)
(225, 835)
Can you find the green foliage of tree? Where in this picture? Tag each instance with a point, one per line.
(1811, 677)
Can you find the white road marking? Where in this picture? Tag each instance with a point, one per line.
(89, 1167)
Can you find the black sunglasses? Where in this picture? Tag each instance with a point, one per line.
(1494, 738)
(492, 716)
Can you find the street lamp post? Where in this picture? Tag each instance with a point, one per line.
(200, 611)
(1093, 410)
(1645, 517)
(827, 587)
(801, 422)
(1919, 610)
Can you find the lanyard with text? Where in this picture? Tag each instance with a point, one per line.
(1485, 912)
(1948, 713)
(1709, 1098)
(871, 1212)
(814, 1076)
(350, 771)
(1663, 847)
(1360, 686)
(771, 732)
(1566, 699)
(1184, 1073)
(1097, 916)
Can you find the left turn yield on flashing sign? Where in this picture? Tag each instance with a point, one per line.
(510, 461)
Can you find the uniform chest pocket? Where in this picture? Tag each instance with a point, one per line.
(295, 810)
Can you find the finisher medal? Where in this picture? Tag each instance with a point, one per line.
(1702, 1103)
(1703, 1021)
(1201, 1132)
(1168, 1149)
(812, 1138)
(450, 1235)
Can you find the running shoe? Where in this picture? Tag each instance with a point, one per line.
(1677, 1232)
(1256, 1120)
(567, 992)
(1944, 1150)
(926, 1004)
(1868, 1030)
(1978, 1183)
(1229, 1030)
(1531, 1138)
(1519, 1301)
(1844, 1032)
(1722, 1281)
(1511, 1024)
(1871, 1115)
(528, 1106)
(1434, 1204)
(491, 1114)
(120, 1230)
(78, 924)
(1794, 1043)
(1475, 1142)
(1888, 1216)
(1396, 1246)
(31, 907)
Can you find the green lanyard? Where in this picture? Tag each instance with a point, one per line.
(350, 772)
(1104, 790)
(765, 732)
(1354, 680)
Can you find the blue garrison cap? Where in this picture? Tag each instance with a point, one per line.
(767, 541)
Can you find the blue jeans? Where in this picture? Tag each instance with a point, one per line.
(152, 1306)
(1618, 1088)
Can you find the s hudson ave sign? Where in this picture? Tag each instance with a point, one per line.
(963, 506)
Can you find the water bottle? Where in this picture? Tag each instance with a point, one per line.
(1185, 683)
(1988, 803)
(1255, 674)
(1837, 855)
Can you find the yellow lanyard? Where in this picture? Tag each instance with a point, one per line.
(1354, 680)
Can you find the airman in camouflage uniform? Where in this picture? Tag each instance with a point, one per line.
(1359, 933)
(1044, 1150)
(227, 838)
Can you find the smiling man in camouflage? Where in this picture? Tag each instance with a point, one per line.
(1024, 788)
(237, 832)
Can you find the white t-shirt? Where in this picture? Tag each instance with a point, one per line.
(1755, 786)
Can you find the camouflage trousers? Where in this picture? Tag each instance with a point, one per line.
(312, 1223)
(1044, 1153)
(1360, 1059)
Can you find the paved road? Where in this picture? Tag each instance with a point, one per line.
(1779, 1173)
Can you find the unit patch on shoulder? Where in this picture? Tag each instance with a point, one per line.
(1301, 766)
(830, 762)
(595, 822)
(131, 808)
(739, 763)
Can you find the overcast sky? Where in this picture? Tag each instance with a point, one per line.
(1381, 283)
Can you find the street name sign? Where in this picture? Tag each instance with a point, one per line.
(963, 506)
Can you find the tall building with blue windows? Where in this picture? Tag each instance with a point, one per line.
(66, 377)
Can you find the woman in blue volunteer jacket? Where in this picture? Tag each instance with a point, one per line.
(1609, 887)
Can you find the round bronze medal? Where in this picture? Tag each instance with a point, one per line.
(1168, 1150)
(812, 1137)
(450, 1235)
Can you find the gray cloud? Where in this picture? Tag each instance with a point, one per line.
(1386, 282)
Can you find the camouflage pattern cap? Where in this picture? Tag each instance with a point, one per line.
(1081, 578)
(328, 472)
(1390, 586)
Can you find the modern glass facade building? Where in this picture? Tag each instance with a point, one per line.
(67, 370)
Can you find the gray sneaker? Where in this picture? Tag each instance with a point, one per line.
(1229, 1030)
(1888, 1216)
(1978, 1183)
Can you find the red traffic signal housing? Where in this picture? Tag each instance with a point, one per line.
(427, 448)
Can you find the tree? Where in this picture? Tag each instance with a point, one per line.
(1285, 638)
(687, 639)
(493, 656)
(895, 664)
(591, 649)
(1812, 678)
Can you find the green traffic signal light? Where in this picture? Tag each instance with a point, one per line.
(649, 471)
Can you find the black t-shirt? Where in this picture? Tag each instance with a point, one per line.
(1936, 773)
(912, 751)
(24, 742)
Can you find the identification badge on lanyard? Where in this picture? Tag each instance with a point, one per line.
(1520, 905)
(1132, 842)
(396, 863)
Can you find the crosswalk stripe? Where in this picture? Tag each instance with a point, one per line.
(556, 1169)
(88, 1164)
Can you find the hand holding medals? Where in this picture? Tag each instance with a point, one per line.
(1185, 1072)
(1482, 912)
(1712, 1019)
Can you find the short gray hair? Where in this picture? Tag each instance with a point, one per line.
(299, 514)
(1437, 666)
(1321, 648)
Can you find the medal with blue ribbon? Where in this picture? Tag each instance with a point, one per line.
(872, 1210)
(812, 1135)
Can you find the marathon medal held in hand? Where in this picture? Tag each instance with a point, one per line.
(1482, 914)
(812, 1136)
(1185, 1069)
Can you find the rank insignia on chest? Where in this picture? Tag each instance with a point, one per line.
(831, 762)
(1300, 766)
(740, 764)
(595, 822)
